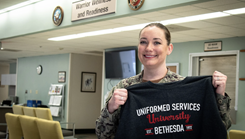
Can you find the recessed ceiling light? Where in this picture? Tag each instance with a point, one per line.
(99, 32)
(194, 18)
(236, 11)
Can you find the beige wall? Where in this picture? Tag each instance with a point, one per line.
(4, 69)
(83, 107)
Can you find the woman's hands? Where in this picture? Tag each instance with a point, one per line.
(118, 98)
(219, 82)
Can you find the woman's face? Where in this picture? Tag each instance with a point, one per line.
(153, 48)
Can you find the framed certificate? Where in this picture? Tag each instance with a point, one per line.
(62, 76)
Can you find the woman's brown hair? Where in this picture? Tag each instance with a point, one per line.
(161, 26)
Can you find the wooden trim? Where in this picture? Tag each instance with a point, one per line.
(243, 50)
(242, 79)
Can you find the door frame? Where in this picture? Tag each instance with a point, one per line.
(194, 66)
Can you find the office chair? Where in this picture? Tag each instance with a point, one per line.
(29, 127)
(45, 113)
(17, 109)
(49, 129)
(14, 127)
(29, 111)
(237, 134)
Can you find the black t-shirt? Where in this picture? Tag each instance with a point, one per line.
(184, 109)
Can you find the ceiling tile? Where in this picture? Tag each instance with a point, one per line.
(188, 38)
(177, 35)
(222, 29)
(161, 18)
(178, 41)
(215, 3)
(217, 36)
(242, 26)
(238, 33)
(194, 32)
(227, 20)
(194, 12)
(179, 9)
(228, 6)
(199, 24)
(147, 15)
(241, 15)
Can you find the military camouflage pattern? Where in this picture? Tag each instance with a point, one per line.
(106, 124)
(223, 103)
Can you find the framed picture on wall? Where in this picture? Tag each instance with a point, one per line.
(174, 67)
(88, 82)
(62, 76)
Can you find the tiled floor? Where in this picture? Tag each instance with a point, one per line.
(86, 136)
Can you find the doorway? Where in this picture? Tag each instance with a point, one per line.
(225, 62)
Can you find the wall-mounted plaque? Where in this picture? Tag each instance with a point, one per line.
(213, 46)
(91, 8)
(58, 15)
(135, 4)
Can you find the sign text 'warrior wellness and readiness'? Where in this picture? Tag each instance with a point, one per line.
(90, 8)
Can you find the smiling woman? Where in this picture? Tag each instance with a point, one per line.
(153, 48)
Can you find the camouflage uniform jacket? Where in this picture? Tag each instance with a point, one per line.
(106, 124)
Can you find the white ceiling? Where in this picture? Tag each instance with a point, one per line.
(37, 44)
